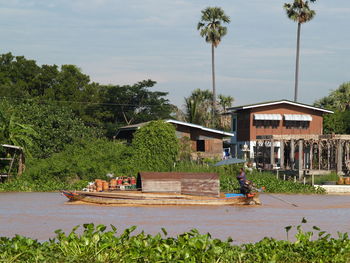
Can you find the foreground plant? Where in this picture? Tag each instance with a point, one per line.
(95, 244)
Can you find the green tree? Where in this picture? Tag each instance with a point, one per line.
(128, 104)
(155, 146)
(212, 30)
(299, 12)
(339, 102)
(55, 125)
(338, 99)
(198, 108)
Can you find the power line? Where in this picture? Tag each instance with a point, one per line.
(85, 102)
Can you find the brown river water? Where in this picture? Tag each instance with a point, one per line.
(38, 215)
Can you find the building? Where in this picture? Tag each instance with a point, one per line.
(204, 142)
(261, 121)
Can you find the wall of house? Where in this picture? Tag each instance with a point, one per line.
(212, 141)
(243, 125)
(315, 126)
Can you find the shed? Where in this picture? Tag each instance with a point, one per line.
(206, 184)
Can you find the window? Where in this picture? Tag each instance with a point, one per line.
(266, 123)
(234, 124)
(297, 124)
(200, 145)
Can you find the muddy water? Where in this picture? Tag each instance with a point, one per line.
(37, 215)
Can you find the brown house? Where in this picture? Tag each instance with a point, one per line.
(284, 117)
(205, 142)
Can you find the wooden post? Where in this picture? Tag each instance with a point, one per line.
(328, 156)
(319, 154)
(272, 154)
(313, 179)
(301, 159)
(263, 154)
(291, 154)
(311, 154)
(282, 154)
(339, 158)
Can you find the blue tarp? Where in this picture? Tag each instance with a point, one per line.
(230, 161)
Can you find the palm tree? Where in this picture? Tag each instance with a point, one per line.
(198, 107)
(212, 30)
(300, 12)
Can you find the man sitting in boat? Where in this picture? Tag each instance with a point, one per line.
(246, 186)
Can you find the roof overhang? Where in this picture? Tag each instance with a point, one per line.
(251, 106)
(192, 125)
(200, 127)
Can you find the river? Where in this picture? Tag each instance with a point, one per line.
(38, 215)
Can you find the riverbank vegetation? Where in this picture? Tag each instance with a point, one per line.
(97, 244)
(66, 124)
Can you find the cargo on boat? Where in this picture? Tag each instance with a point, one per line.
(162, 188)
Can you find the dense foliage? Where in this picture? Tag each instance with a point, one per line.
(339, 102)
(95, 244)
(155, 146)
(104, 106)
(74, 167)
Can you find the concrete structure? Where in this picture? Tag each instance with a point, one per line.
(204, 142)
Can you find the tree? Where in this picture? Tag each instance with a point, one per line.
(55, 126)
(338, 99)
(198, 107)
(128, 104)
(300, 12)
(155, 146)
(212, 30)
(198, 111)
(339, 102)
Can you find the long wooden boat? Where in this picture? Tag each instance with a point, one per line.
(138, 198)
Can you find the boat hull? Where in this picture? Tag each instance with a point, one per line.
(142, 199)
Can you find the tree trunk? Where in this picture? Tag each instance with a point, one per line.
(213, 78)
(297, 65)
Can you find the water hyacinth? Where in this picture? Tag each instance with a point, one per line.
(96, 244)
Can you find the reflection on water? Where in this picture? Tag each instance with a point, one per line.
(37, 215)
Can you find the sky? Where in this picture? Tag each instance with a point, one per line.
(123, 42)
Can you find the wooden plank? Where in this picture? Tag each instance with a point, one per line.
(169, 186)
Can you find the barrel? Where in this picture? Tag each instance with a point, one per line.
(340, 180)
(105, 186)
(347, 180)
(113, 183)
(98, 183)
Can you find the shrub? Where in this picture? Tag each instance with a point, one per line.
(155, 146)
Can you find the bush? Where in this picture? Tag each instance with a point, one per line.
(74, 167)
(155, 146)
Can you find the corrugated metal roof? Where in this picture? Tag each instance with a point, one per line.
(139, 125)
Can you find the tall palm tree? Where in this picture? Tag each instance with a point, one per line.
(212, 30)
(300, 12)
